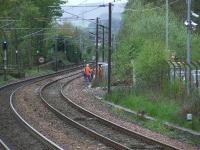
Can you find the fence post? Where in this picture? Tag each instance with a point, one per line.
(178, 64)
(189, 66)
(196, 74)
(174, 75)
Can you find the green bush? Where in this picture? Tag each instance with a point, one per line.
(145, 30)
(150, 64)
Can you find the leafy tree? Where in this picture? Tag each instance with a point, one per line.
(144, 23)
(30, 17)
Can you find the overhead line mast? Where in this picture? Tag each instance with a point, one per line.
(109, 47)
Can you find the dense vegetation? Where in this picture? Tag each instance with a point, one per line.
(143, 34)
(141, 56)
(30, 26)
(23, 26)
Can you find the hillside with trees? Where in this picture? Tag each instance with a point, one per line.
(31, 26)
(142, 61)
(142, 38)
(23, 25)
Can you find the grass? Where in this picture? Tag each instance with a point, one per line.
(9, 78)
(29, 73)
(157, 126)
(34, 71)
(160, 108)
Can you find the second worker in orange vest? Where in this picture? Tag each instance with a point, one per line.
(87, 71)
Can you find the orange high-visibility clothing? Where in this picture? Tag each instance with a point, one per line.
(87, 71)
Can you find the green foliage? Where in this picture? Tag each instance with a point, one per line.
(150, 63)
(174, 88)
(143, 29)
(141, 40)
(3, 82)
(34, 72)
(165, 110)
(160, 108)
(21, 26)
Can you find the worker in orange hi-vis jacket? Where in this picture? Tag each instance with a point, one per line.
(87, 73)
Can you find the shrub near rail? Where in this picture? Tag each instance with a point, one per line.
(34, 71)
(154, 105)
(29, 73)
(9, 78)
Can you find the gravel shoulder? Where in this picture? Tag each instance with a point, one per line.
(84, 96)
(32, 109)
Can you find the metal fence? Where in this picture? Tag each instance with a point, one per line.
(187, 74)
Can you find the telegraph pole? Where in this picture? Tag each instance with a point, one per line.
(167, 26)
(188, 30)
(188, 45)
(65, 49)
(103, 45)
(80, 41)
(109, 48)
(97, 40)
(56, 52)
(190, 25)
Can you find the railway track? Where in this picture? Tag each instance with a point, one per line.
(109, 133)
(65, 135)
(13, 134)
(3, 146)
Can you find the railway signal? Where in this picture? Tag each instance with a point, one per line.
(37, 60)
(5, 47)
(190, 25)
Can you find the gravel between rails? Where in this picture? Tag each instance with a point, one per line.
(1, 147)
(11, 131)
(76, 89)
(32, 109)
(61, 104)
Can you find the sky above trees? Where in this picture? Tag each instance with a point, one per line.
(76, 2)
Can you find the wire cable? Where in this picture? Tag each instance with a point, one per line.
(149, 9)
(89, 11)
(89, 20)
(77, 16)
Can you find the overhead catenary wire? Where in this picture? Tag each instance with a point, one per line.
(82, 18)
(78, 4)
(89, 11)
(149, 9)
(6, 25)
(96, 5)
(38, 19)
(56, 28)
(28, 35)
(42, 29)
(89, 20)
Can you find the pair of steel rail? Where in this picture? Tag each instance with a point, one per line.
(100, 137)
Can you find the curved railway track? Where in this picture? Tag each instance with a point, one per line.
(73, 116)
(61, 133)
(12, 134)
(3, 145)
(109, 133)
